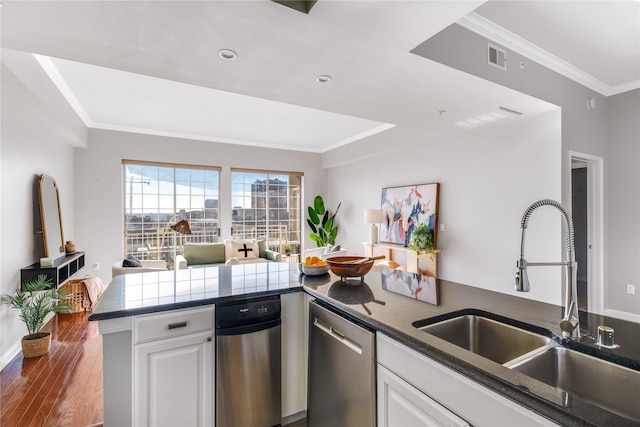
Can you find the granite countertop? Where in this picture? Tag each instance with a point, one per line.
(155, 291)
(384, 302)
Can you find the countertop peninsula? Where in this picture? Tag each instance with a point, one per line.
(386, 301)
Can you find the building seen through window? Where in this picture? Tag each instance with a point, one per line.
(267, 205)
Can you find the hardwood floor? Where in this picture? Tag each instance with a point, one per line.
(61, 388)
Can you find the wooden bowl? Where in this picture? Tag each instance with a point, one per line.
(344, 266)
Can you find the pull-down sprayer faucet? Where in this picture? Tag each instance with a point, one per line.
(569, 324)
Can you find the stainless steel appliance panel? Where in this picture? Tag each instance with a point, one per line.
(248, 372)
(341, 371)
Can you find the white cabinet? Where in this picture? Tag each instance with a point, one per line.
(401, 404)
(452, 391)
(174, 368)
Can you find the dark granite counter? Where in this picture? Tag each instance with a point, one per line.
(151, 292)
(386, 302)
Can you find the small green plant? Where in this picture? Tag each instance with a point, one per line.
(422, 239)
(35, 300)
(322, 224)
(287, 249)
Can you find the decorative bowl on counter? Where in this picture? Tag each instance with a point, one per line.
(350, 266)
(313, 270)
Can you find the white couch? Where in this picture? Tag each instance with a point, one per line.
(215, 254)
(147, 265)
(320, 253)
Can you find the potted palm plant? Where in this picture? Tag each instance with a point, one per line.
(35, 300)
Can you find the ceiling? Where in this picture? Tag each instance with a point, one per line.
(153, 67)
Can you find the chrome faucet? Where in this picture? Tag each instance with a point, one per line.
(570, 324)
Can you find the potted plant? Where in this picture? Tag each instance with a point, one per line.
(422, 239)
(35, 300)
(324, 230)
(287, 250)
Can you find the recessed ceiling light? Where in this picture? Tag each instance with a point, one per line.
(227, 54)
(323, 79)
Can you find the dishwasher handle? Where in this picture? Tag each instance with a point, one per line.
(341, 338)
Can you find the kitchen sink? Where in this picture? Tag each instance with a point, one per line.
(603, 383)
(489, 338)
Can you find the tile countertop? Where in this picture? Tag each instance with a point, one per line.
(384, 303)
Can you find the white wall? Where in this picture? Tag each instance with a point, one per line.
(99, 205)
(487, 180)
(30, 147)
(623, 202)
(611, 135)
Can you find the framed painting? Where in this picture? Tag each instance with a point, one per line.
(416, 286)
(405, 207)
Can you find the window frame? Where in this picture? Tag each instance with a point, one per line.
(167, 242)
(272, 243)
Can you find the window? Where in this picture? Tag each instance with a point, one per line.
(266, 204)
(157, 196)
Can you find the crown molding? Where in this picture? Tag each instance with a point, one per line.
(489, 30)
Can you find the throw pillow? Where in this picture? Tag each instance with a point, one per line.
(262, 248)
(329, 249)
(241, 249)
(131, 261)
(204, 253)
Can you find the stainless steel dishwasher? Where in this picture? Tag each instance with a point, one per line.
(248, 384)
(341, 388)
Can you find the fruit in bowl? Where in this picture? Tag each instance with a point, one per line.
(314, 266)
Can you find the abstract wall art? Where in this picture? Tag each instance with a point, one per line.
(405, 207)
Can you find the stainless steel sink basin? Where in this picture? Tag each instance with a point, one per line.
(492, 339)
(602, 383)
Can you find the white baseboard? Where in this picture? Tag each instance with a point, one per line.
(624, 315)
(8, 356)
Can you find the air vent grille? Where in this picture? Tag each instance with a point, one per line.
(497, 56)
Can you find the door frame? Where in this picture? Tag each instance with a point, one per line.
(595, 226)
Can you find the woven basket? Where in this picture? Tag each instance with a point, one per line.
(74, 289)
(36, 347)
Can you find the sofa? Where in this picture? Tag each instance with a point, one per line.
(229, 252)
(324, 252)
(146, 265)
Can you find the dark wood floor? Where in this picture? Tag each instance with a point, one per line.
(61, 388)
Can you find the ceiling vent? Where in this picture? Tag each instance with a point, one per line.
(497, 56)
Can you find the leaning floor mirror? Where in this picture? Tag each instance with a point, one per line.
(51, 218)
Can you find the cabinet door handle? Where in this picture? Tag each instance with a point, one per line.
(177, 325)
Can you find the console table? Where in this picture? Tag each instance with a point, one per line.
(61, 270)
(413, 260)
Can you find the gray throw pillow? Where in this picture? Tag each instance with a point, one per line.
(131, 261)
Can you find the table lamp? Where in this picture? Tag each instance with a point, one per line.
(373, 217)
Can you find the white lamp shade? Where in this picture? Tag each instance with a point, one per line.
(373, 216)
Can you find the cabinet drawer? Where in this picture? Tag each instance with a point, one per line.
(173, 323)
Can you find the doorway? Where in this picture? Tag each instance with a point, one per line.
(579, 206)
(587, 213)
